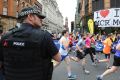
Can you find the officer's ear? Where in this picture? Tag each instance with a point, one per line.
(30, 17)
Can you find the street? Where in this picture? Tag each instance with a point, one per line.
(60, 73)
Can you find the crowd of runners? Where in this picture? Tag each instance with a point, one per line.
(83, 44)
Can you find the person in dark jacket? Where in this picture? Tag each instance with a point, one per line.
(26, 52)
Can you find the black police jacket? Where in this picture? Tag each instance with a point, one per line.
(26, 54)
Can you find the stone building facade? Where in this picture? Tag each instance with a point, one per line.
(9, 10)
(54, 19)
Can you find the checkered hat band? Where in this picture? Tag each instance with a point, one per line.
(28, 12)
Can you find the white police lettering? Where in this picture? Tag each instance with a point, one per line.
(19, 43)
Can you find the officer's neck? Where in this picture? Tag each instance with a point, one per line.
(31, 23)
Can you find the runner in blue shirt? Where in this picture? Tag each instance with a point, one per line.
(80, 47)
(116, 63)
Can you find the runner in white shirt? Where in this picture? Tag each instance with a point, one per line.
(64, 47)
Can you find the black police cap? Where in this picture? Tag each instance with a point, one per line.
(30, 10)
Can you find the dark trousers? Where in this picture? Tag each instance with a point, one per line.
(93, 50)
(88, 51)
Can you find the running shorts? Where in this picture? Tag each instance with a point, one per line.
(116, 61)
(79, 54)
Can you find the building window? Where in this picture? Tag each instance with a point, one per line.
(17, 2)
(27, 5)
(115, 3)
(45, 13)
(29, 1)
(17, 14)
(101, 4)
(79, 7)
(5, 3)
(97, 5)
(4, 11)
(23, 4)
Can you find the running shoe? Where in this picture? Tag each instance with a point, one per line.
(108, 67)
(99, 78)
(97, 61)
(72, 77)
(94, 64)
(86, 71)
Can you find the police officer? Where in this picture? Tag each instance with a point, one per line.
(26, 52)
